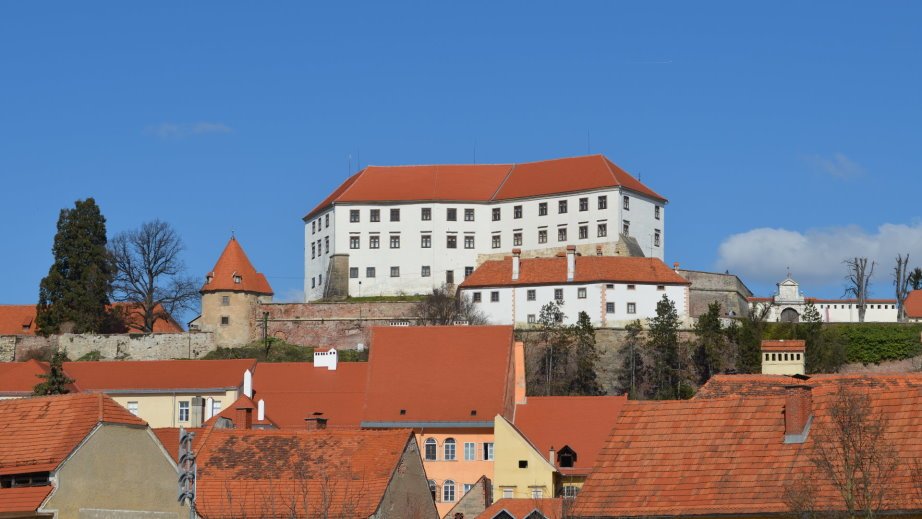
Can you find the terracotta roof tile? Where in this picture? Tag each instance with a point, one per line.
(169, 438)
(20, 378)
(20, 320)
(552, 508)
(413, 374)
(913, 305)
(605, 269)
(580, 422)
(265, 472)
(782, 345)
(37, 434)
(234, 262)
(110, 376)
(22, 499)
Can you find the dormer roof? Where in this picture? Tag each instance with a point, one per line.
(234, 273)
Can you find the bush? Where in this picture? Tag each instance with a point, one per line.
(280, 351)
(90, 356)
(43, 353)
(872, 343)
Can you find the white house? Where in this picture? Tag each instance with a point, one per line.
(407, 229)
(788, 305)
(612, 290)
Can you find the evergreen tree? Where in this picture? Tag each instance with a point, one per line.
(711, 348)
(585, 382)
(56, 381)
(554, 343)
(74, 295)
(632, 375)
(663, 339)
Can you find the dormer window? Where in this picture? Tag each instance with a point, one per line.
(238, 280)
(207, 280)
(566, 457)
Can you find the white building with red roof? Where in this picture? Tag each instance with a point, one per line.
(789, 303)
(407, 229)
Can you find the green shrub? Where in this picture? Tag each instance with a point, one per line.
(280, 351)
(90, 356)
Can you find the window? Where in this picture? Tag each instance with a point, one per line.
(581, 293)
(133, 408)
(562, 206)
(488, 451)
(353, 215)
(476, 297)
(508, 493)
(375, 215)
(470, 453)
(426, 214)
(354, 242)
(609, 308)
(583, 232)
(313, 283)
(537, 493)
(314, 227)
(468, 271)
(656, 210)
(530, 294)
(583, 204)
(448, 491)
(562, 234)
(516, 238)
(395, 241)
(542, 236)
(558, 295)
(430, 449)
(523, 464)
(632, 308)
(225, 320)
(468, 215)
(496, 214)
(184, 411)
(627, 203)
(468, 242)
(632, 287)
(452, 241)
(602, 230)
(656, 237)
(496, 241)
(238, 279)
(531, 318)
(426, 272)
(626, 228)
(661, 287)
(517, 211)
(353, 272)
(449, 449)
(326, 245)
(542, 209)
(395, 215)
(425, 241)
(468, 487)
(215, 407)
(374, 242)
(451, 214)
(313, 250)
(395, 272)
(319, 279)
(603, 202)
(369, 272)
(225, 300)
(326, 220)
(433, 488)
(450, 277)
(494, 296)
(569, 491)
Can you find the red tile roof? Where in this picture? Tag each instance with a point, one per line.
(482, 182)
(23, 500)
(826, 301)
(602, 269)
(552, 508)
(782, 345)
(20, 378)
(167, 375)
(169, 438)
(726, 455)
(273, 473)
(234, 262)
(20, 320)
(416, 370)
(913, 305)
(37, 434)
(580, 422)
(293, 391)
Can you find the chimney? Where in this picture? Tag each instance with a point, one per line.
(248, 384)
(243, 419)
(260, 410)
(209, 408)
(518, 353)
(515, 263)
(197, 412)
(798, 412)
(571, 262)
(552, 457)
(675, 266)
(315, 423)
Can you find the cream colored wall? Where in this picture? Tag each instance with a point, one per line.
(510, 448)
(239, 310)
(460, 471)
(783, 367)
(119, 472)
(162, 410)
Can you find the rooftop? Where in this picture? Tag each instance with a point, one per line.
(603, 269)
(234, 272)
(20, 378)
(158, 375)
(551, 508)
(913, 305)
(20, 320)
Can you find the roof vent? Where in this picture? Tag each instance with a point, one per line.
(473, 412)
(403, 412)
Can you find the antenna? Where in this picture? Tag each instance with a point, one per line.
(475, 151)
(588, 142)
(349, 162)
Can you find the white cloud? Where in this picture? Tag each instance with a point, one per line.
(292, 295)
(815, 257)
(181, 130)
(838, 165)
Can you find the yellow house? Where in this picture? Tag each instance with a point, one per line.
(169, 393)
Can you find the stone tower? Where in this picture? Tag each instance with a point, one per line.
(232, 291)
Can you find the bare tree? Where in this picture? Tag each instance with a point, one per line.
(150, 273)
(858, 278)
(444, 306)
(901, 274)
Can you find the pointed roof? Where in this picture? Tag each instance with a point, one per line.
(235, 263)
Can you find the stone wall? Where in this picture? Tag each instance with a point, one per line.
(707, 287)
(624, 246)
(117, 346)
(7, 348)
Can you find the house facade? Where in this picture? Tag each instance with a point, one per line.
(408, 229)
(789, 304)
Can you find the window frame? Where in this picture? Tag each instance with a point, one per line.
(603, 202)
(355, 216)
(395, 214)
(449, 449)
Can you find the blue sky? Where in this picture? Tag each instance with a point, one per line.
(784, 133)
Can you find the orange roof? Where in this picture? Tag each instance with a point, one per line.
(580, 422)
(265, 472)
(20, 378)
(783, 345)
(37, 434)
(155, 375)
(520, 508)
(413, 376)
(293, 391)
(482, 182)
(726, 455)
(20, 320)
(23, 499)
(913, 305)
(169, 438)
(234, 262)
(602, 269)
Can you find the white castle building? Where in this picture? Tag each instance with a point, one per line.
(389, 230)
(788, 305)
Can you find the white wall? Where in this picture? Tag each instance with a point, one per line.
(840, 312)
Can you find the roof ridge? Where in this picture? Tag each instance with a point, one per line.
(503, 183)
(356, 176)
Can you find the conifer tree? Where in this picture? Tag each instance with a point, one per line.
(585, 382)
(632, 375)
(663, 340)
(549, 375)
(74, 294)
(56, 381)
(710, 352)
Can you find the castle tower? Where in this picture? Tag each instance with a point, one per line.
(230, 295)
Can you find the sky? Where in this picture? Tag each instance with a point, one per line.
(784, 134)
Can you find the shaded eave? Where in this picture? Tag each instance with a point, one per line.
(427, 424)
(587, 282)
